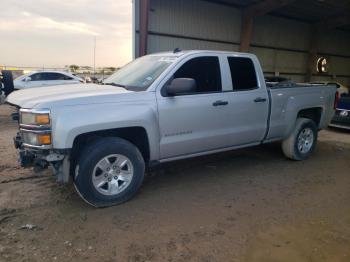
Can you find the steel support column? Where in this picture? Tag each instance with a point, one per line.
(246, 31)
(144, 17)
(248, 15)
(312, 59)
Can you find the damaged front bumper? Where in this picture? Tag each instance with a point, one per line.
(42, 158)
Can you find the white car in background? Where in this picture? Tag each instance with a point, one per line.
(45, 78)
(342, 89)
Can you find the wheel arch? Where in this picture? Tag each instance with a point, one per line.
(136, 135)
(314, 113)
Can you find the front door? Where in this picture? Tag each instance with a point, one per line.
(36, 80)
(195, 122)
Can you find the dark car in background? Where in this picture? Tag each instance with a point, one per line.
(341, 117)
(6, 84)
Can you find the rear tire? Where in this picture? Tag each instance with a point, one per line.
(109, 171)
(302, 141)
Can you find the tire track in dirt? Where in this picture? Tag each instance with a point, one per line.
(21, 178)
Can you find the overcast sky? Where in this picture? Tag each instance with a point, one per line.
(54, 33)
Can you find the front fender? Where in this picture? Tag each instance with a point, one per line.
(70, 122)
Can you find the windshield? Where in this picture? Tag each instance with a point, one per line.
(141, 73)
(21, 77)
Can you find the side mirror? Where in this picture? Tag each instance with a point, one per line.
(27, 79)
(181, 86)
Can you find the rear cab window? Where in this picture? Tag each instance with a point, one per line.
(243, 73)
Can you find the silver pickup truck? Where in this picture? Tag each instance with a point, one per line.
(160, 108)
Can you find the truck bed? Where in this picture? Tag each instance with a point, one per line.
(288, 100)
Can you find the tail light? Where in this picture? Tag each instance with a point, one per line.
(336, 100)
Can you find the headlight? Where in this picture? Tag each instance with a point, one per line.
(36, 138)
(35, 127)
(35, 117)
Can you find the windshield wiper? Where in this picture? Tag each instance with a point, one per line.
(129, 88)
(114, 84)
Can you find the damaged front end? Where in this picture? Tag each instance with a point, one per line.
(34, 143)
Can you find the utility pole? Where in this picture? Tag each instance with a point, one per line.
(94, 56)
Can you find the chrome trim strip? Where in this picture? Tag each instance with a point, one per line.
(35, 111)
(35, 126)
(37, 147)
(35, 131)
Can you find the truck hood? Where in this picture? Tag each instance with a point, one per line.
(65, 95)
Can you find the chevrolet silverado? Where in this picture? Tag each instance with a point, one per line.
(159, 108)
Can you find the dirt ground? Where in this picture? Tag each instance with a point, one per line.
(246, 205)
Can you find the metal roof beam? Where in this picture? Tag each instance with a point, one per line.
(266, 6)
(333, 22)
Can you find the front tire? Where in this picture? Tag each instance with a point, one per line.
(302, 141)
(109, 171)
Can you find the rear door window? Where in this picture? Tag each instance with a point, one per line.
(54, 76)
(243, 73)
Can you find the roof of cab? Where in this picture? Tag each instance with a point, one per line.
(188, 52)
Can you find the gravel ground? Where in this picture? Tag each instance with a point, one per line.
(246, 205)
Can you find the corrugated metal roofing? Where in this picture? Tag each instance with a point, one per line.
(303, 10)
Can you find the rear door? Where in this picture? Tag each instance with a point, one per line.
(195, 122)
(248, 106)
(53, 78)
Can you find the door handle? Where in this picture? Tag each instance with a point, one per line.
(260, 100)
(220, 103)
